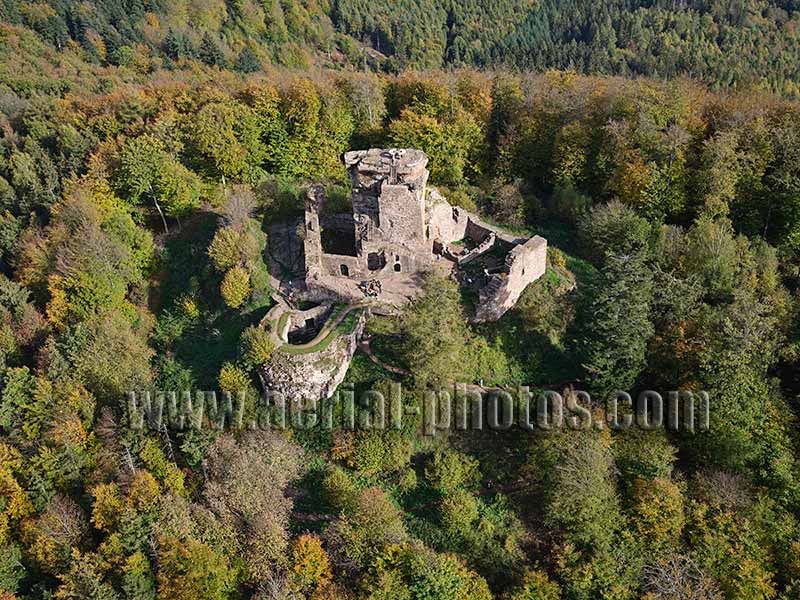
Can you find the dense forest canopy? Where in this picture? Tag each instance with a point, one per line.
(726, 43)
(150, 149)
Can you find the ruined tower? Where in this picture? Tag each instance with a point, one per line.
(389, 207)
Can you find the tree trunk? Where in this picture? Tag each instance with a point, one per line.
(158, 208)
(161, 214)
(766, 221)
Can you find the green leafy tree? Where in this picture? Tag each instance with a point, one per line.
(713, 255)
(85, 579)
(580, 495)
(12, 570)
(450, 470)
(256, 346)
(146, 169)
(536, 585)
(613, 228)
(436, 334)
(247, 487)
(369, 529)
(414, 571)
(224, 249)
(138, 581)
(450, 145)
(226, 135)
(235, 287)
(190, 569)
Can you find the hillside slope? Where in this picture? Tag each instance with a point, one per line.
(726, 43)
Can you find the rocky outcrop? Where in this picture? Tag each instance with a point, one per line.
(315, 375)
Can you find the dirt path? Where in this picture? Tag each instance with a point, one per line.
(364, 346)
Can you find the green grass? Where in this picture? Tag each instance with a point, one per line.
(389, 350)
(521, 231)
(282, 323)
(184, 268)
(343, 328)
(542, 362)
(337, 310)
(362, 373)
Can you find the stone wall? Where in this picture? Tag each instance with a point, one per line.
(327, 288)
(402, 216)
(397, 224)
(477, 231)
(313, 376)
(354, 266)
(486, 245)
(389, 196)
(312, 240)
(338, 221)
(298, 320)
(525, 263)
(446, 223)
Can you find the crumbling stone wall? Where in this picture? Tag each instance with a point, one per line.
(401, 216)
(397, 226)
(446, 223)
(388, 220)
(354, 266)
(486, 245)
(525, 263)
(298, 320)
(312, 234)
(389, 207)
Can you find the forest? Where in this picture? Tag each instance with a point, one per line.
(739, 44)
(142, 164)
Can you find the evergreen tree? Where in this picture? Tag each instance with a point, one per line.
(172, 45)
(619, 323)
(247, 61)
(210, 52)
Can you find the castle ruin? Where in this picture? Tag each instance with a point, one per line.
(400, 229)
(375, 259)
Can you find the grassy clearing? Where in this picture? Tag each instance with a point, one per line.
(282, 323)
(343, 328)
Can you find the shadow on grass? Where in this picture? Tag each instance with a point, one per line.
(211, 343)
(212, 338)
